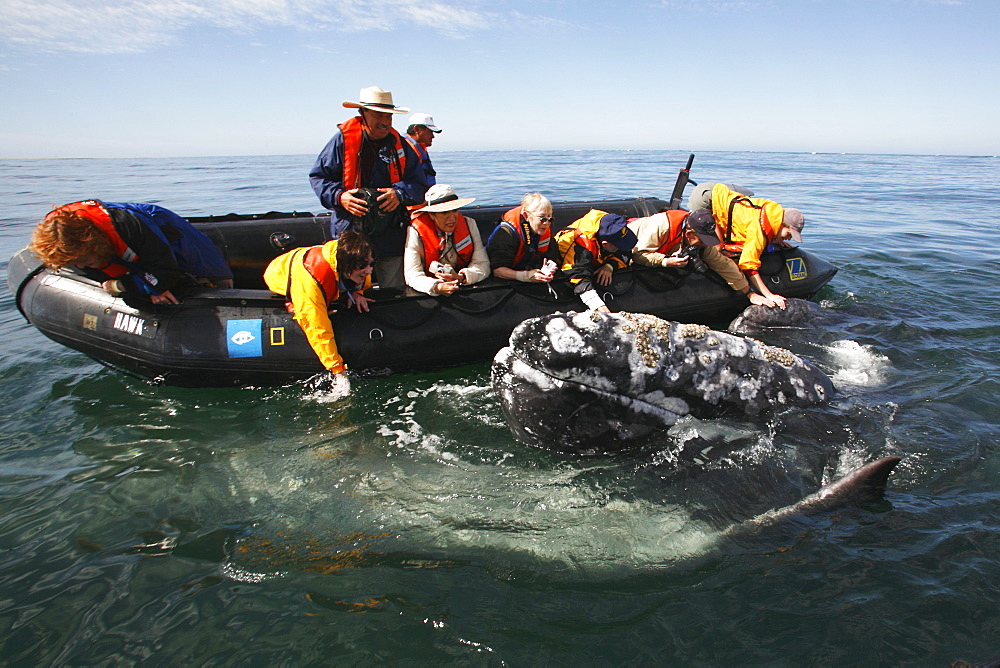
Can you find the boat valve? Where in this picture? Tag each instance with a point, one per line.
(282, 240)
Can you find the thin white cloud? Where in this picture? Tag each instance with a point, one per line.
(716, 5)
(123, 26)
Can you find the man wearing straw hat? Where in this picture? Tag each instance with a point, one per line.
(367, 175)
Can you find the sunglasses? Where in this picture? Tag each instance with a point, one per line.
(546, 219)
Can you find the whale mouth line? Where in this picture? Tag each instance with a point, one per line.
(636, 403)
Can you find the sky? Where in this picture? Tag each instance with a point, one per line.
(178, 78)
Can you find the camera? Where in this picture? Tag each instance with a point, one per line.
(436, 267)
(376, 221)
(693, 254)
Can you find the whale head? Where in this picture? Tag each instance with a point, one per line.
(594, 382)
(756, 319)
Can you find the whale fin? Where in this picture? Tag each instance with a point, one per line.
(862, 485)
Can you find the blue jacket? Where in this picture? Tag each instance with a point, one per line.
(170, 249)
(327, 179)
(427, 173)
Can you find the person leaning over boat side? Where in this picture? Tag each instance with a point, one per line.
(748, 226)
(521, 244)
(420, 136)
(590, 249)
(443, 247)
(312, 279)
(132, 249)
(367, 153)
(701, 196)
(663, 239)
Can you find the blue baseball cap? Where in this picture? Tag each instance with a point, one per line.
(614, 228)
(702, 223)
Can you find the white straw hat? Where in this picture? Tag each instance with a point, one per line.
(441, 197)
(376, 99)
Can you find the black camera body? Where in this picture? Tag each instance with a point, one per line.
(693, 254)
(377, 221)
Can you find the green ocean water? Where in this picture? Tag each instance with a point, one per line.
(404, 525)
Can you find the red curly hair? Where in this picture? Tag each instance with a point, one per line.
(66, 237)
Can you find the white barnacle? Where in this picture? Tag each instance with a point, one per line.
(564, 339)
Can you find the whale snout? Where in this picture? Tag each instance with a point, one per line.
(580, 382)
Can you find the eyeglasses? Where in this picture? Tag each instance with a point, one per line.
(545, 219)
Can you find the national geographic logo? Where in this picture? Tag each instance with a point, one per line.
(796, 269)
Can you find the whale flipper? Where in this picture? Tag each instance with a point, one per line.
(862, 485)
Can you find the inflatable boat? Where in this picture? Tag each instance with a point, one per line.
(245, 337)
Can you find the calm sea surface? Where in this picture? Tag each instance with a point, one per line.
(404, 525)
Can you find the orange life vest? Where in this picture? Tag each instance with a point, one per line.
(676, 234)
(727, 246)
(433, 239)
(322, 272)
(587, 240)
(516, 221)
(421, 152)
(95, 212)
(353, 131)
(417, 148)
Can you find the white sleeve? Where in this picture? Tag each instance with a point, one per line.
(592, 299)
(413, 265)
(479, 267)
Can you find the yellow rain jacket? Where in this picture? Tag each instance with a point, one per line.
(756, 223)
(582, 253)
(311, 306)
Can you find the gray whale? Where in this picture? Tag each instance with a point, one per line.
(756, 319)
(595, 382)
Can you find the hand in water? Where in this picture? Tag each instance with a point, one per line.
(336, 385)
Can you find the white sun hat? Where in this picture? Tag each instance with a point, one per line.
(376, 99)
(441, 197)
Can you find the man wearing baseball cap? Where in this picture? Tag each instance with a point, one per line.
(749, 226)
(367, 175)
(591, 248)
(669, 239)
(420, 135)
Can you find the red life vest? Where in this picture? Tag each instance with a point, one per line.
(353, 131)
(95, 212)
(522, 229)
(732, 249)
(433, 239)
(421, 152)
(588, 241)
(322, 272)
(676, 234)
(417, 148)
